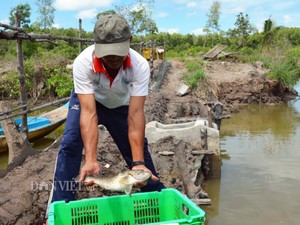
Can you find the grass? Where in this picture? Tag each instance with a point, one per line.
(195, 71)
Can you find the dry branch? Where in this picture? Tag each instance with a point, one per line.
(4, 115)
(11, 27)
(33, 37)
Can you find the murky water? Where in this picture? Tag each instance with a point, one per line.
(260, 181)
(38, 145)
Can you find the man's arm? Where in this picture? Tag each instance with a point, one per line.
(136, 127)
(89, 134)
(136, 130)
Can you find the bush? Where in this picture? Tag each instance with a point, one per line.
(249, 55)
(10, 86)
(293, 55)
(59, 81)
(285, 73)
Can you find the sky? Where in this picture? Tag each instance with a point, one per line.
(172, 16)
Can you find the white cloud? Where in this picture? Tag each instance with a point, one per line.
(87, 14)
(197, 31)
(169, 30)
(56, 25)
(187, 3)
(138, 7)
(80, 4)
(5, 21)
(287, 20)
(181, 1)
(162, 14)
(191, 4)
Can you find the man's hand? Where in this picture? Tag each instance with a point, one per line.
(142, 167)
(89, 169)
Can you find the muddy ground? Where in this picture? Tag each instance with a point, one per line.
(25, 190)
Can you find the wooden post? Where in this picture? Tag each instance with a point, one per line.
(23, 97)
(151, 58)
(80, 35)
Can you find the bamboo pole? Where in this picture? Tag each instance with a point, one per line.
(34, 109)
(33, 37)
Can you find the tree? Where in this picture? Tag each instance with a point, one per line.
(46, 11)
(268, 32)
(212, 25)
(107, 12)
(268, 25)
(242, 29)
(139, 16)
(23, 13)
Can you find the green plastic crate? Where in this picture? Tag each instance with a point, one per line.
(166, 207)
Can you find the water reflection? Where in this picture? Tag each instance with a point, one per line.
(260, 179)
(278, 120)
(3, 159)
(40, 144)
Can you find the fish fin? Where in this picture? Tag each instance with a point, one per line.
(128, 189)
(124, 180)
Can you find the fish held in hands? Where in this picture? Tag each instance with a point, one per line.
(120, 182)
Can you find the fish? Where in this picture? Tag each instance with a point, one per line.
(123, 181)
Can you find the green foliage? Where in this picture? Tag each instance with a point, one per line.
(212, 24)
(195, 72)
(59, 81)
(46, 12)
(138, 15)
(285, 73)
(293, 55)
(10, 87)
(68, 51)
(242, 29)
(23, 14)
(30, 48)
(291, 34)
(284, 67)
(107, 12)
(7, 50)
(254, 41)
(268, 25)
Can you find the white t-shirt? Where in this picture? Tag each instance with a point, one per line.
(90, 78)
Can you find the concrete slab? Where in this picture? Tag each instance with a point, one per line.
(189, 132)
(183, 89)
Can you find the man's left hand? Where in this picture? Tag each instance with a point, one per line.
(142, 167)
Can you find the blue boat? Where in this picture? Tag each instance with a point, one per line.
(39, 126)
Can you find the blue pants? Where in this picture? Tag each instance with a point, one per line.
(70, 154)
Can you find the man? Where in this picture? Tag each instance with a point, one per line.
(110, 86)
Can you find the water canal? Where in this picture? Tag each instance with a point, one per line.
(260, 178)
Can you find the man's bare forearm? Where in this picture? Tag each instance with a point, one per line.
(136, 127)
(89, 134)
(136, 136)
(89, 125)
